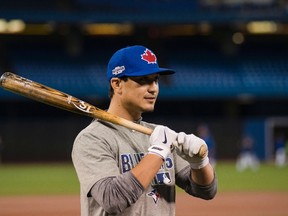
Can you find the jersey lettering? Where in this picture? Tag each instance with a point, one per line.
(126, 163)
(168, 163)
(129, 161)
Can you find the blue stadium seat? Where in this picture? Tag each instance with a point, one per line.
(196, 77)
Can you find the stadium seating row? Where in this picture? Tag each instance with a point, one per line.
(215, 77)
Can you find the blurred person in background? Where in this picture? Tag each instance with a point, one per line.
(204, 133)
(247, 158)
(280, 151)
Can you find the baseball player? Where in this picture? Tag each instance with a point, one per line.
(125, 172)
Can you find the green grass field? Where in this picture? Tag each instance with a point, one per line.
(36, 179)
(267, 178)
(60, 179)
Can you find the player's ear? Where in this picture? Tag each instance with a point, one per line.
(116, 84)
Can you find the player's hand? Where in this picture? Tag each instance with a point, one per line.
(161, 141)
(188, 147)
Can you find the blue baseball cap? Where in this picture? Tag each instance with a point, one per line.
(134, 61)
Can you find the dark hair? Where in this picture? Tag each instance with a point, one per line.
(111, 90)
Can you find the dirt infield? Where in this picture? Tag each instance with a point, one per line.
(236, 204)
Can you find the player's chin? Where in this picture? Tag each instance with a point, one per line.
(149, 108)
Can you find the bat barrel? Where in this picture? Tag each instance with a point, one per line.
(42, 93)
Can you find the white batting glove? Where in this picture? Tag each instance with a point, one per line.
(161, 141)
(188, 147)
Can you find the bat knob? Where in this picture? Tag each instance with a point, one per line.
(203, 151)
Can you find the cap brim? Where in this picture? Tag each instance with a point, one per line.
(165, 71)
(160, 71)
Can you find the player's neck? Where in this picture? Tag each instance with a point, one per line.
(118, 110)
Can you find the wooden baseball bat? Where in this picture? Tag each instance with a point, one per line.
(56, 98)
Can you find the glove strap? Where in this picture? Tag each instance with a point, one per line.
(200, 164)
(159, 151)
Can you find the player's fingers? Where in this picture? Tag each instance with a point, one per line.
(181, 138)
(177, 145)
(198, 143)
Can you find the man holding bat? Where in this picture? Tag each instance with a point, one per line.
(125, 172)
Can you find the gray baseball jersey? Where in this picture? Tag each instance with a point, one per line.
(103, 150)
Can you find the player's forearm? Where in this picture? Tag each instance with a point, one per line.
(203, 176)
(146, 170)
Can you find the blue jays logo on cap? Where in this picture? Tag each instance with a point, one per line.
(134, 61)
(149, 57)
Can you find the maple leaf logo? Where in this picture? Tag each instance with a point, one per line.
(154, 195)
(149, 57)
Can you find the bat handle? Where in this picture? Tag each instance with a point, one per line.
(203, 149)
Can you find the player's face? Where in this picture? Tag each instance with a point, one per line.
(140, 93)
